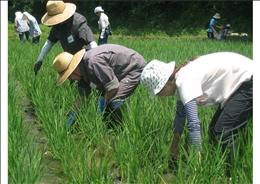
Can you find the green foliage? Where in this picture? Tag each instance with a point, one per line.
(144, 17)
(139, 151)
(24, 159)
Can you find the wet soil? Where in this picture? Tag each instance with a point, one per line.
(52, 172)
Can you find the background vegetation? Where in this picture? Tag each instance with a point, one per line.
(151, 17)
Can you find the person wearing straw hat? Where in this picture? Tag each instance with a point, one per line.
(212, 26)
(68, 27)
(103, 25)
(113, 70)
(221, 78)
(35, 31)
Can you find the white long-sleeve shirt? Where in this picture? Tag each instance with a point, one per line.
(20, 24)
(34, 27)
(103, 23)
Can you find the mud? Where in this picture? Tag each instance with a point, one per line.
(52, 172)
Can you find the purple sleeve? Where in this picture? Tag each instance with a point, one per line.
(105, 74)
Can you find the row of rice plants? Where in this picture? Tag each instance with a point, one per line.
(137, 153)
(24, 159)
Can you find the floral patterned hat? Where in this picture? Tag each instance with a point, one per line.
(156, 74)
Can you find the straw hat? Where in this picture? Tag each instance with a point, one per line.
(98, 9)
(57, 12)
(217, 16)
(156, 74)
(65, 63)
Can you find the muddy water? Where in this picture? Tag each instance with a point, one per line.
(52, 172)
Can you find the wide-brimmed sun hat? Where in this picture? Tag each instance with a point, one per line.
(217, 16)
(57, 12)
(65, 63)
(156, 74)
(98, 9)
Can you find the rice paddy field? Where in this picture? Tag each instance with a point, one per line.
(41, 149)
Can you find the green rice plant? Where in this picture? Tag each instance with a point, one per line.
(137, 152)
(24, 160)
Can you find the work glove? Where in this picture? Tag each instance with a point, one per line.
(71, 118)
(101, 105)
(117, 103)
(37, 66)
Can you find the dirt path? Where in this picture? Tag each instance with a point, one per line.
(52, 172)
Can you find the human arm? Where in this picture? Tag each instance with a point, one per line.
(84, 91)
(45, 49)
(193, 123)
(86, 34)
(178, 126)
(190, 111)
(106, 76)
(103, 23)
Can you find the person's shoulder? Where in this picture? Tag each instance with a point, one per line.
(103, 15)
(79, 19)
(79, 16)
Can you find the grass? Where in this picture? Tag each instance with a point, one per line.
(24, 159)
(138, 153)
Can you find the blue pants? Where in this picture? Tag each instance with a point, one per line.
(111, 112)
(103, 40)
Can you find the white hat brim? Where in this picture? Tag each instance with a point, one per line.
(168, 73)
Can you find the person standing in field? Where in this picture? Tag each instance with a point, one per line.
(222, 78)
(212, 26)
(21, 27)
(35, 31)
(113, 70)
(103, 25)
(68, 27)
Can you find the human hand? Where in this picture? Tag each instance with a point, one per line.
(101, 105)
(37, 66)
(71, 118)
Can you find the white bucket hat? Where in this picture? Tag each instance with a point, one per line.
(156, 74)
(98, 9)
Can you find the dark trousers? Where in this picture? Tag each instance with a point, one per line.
(210, 35)
(233, 116)
(227, 121)
(24, 36)
(103, 40)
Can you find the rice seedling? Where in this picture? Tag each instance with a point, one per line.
(139, 151)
